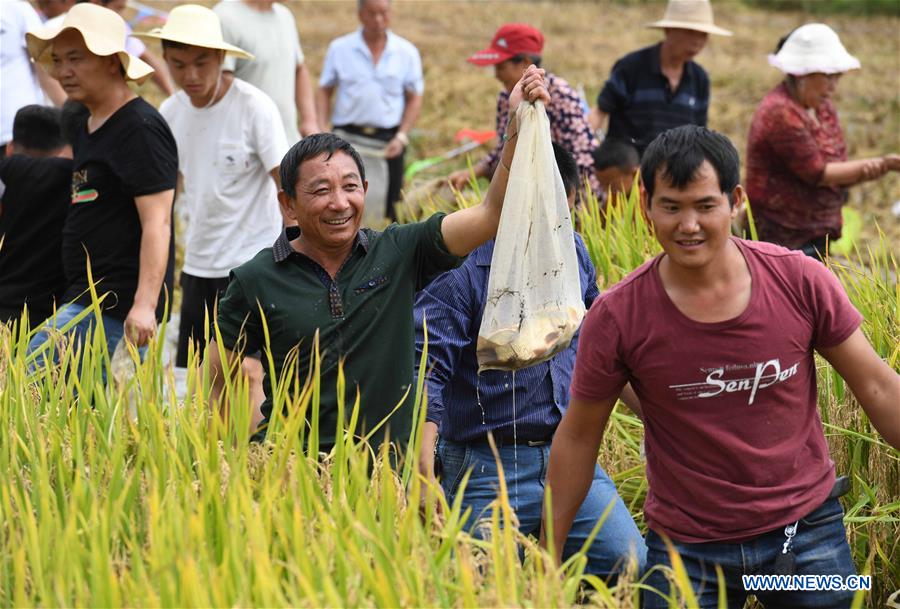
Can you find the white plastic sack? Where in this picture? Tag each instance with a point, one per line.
(534, 304)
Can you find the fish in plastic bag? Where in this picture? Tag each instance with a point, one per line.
(534, 304)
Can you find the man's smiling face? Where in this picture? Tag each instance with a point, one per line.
(328, 201)
(693, 224)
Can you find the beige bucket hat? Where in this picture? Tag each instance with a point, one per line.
(197, 26)
(104, 34)
(694, 15)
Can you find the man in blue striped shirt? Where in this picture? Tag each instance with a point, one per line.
(521, 410)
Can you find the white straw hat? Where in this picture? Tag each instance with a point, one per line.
(694, 15)
(812, 48)
(104, 34)
(197, 26)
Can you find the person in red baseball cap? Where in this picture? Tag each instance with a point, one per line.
(511, 39)
(514, 47)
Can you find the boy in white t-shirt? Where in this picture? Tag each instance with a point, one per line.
(230, 144)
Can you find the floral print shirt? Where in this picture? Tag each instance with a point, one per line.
(569, 128)
(787, 151)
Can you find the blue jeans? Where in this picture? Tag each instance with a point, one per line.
(820, 546)
(81, 332)
(618, 539)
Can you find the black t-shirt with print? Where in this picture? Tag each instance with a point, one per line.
(131, 155)
(33, 204)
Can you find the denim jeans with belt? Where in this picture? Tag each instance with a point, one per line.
(820, 547)
(525, 469)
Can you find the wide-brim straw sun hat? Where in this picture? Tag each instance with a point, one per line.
(812, 48)
(104, 34)
(197, 26)
(694, 15)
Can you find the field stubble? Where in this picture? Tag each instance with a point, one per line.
(583, 41)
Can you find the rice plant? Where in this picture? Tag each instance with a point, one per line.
(120, 494)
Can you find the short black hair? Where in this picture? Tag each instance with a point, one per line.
(678, 154)
(529, 58)
(783, 39)
(568, 169)
(311, 147)
(789, 77)
(171, 44)
(72, 121)
(361, 3)
(36, 128)
(616, 152)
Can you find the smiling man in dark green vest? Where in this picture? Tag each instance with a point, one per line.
(356, 288)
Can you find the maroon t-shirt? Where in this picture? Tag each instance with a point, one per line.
(734, 442)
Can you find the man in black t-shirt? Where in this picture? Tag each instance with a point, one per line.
(123, 183)
(35, 179)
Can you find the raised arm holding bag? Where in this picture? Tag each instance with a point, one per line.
(534, 303)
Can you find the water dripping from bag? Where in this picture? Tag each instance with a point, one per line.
(478, 397)
(515, 446)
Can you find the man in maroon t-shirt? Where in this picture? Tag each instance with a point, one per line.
(716, 337)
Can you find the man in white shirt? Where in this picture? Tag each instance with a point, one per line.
(379, 84)
(24, 83)
(268, 30)
(230, 144)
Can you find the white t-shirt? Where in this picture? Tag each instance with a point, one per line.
(225, 154)
(18, 83)
(272, 37)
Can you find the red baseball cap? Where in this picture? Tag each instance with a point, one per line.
(510, 40)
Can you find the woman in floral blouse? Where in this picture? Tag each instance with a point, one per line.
(516, 46)
(797, 167)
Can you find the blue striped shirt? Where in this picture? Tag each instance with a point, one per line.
(466, 405)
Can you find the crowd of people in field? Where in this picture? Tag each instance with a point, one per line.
(711, 343)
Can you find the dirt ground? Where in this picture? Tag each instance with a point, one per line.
(583, 40)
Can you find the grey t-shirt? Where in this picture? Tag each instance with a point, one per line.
(271, 36)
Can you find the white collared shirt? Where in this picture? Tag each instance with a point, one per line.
(368, 94)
